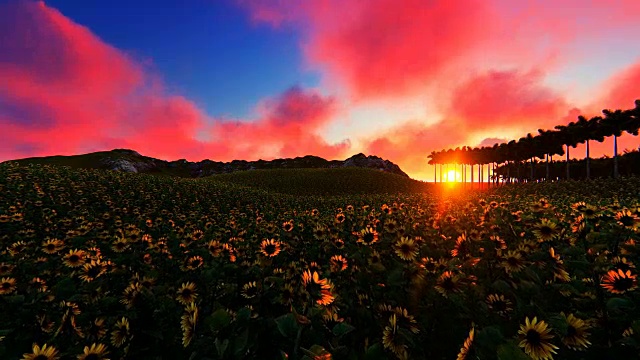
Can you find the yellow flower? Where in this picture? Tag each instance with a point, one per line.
(187, 293)
(534, 338)
(619, 282)
(41, 353)
(406, 249)
(270, 247)
(466, 346)
(94, 352)
(576, 335)
(7, 285)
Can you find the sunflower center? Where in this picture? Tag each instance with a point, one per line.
(571, 331)
(513, 261)
(270, 249)
(406, 248)
(92, 357)
(623, 284)
(546, 230)
(40, 357)
(6, 286)
(533, 337)
(499, 305)
(368, 238)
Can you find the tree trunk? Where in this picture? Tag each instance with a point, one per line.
(435, 173)
(588, 162)
(547, 159)
(568, 176)
(615, 156)
(440, 173)
(531, 162)
(471, 174)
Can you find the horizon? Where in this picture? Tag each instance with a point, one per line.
(248, 79)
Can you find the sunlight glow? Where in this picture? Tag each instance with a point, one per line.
(453, 176)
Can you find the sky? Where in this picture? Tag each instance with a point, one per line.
(265, 79)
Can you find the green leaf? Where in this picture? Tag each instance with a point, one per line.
(221, 347)
(618, 305)
(375, 352)
(243, 315)
(489, 338)
(287, 325)
(510, 351)
(65, 288)
(219, 320)
(342, 329)
(240, 343)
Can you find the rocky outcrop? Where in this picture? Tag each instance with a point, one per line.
(131, 161)
(373, 162)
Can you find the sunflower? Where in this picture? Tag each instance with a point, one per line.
(622, 263)
(367, 236)
(320, 232)
(546, 230)
(120, 245)
(52, 246)
(391, 226)
(406, 249)
(534, 338)
(130, 294)
(338, 263)
(249, 290)
(619, 282)
(576, 335)
(448, 283)
(17, 247)
(94, 352)
(121, 333)
(287, 294)
(498, 303)
(319, 289)
(466, 346)
(287, 226)
(41, 353)
(513, 262)
(627, 219)
(96, 329)
(194, 262)
(340, 218)
(7, 285)
(390, 339)
(39, 284)
(75, 258)
(6, 269)
(187, 293)
(375, 258)
(188, 323)
(589, 212)
(461, 248)
(215, 248)
(270, 247)
(92, 271)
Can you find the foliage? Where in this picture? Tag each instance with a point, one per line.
(163, 267)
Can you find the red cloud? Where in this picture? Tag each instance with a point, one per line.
(284, 128)
(499, 99)
(64, 91)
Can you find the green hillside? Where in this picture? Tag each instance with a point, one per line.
(339, 181)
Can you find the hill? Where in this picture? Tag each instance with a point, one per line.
(323, 182)
(131, 161)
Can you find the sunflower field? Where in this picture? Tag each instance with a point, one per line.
(98, 264)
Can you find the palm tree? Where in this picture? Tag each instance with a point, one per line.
(613, 124)
(569, 137)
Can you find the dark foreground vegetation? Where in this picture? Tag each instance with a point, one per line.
(100, 264)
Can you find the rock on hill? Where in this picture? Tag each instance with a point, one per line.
(131, 161)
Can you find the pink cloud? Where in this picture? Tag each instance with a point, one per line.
(64, 91)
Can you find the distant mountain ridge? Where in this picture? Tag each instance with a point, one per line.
(131, 161)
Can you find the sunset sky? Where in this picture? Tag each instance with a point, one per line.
(251, 79)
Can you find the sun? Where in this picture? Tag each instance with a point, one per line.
(452, 176)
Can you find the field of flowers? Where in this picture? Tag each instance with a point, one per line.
(104, 265)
